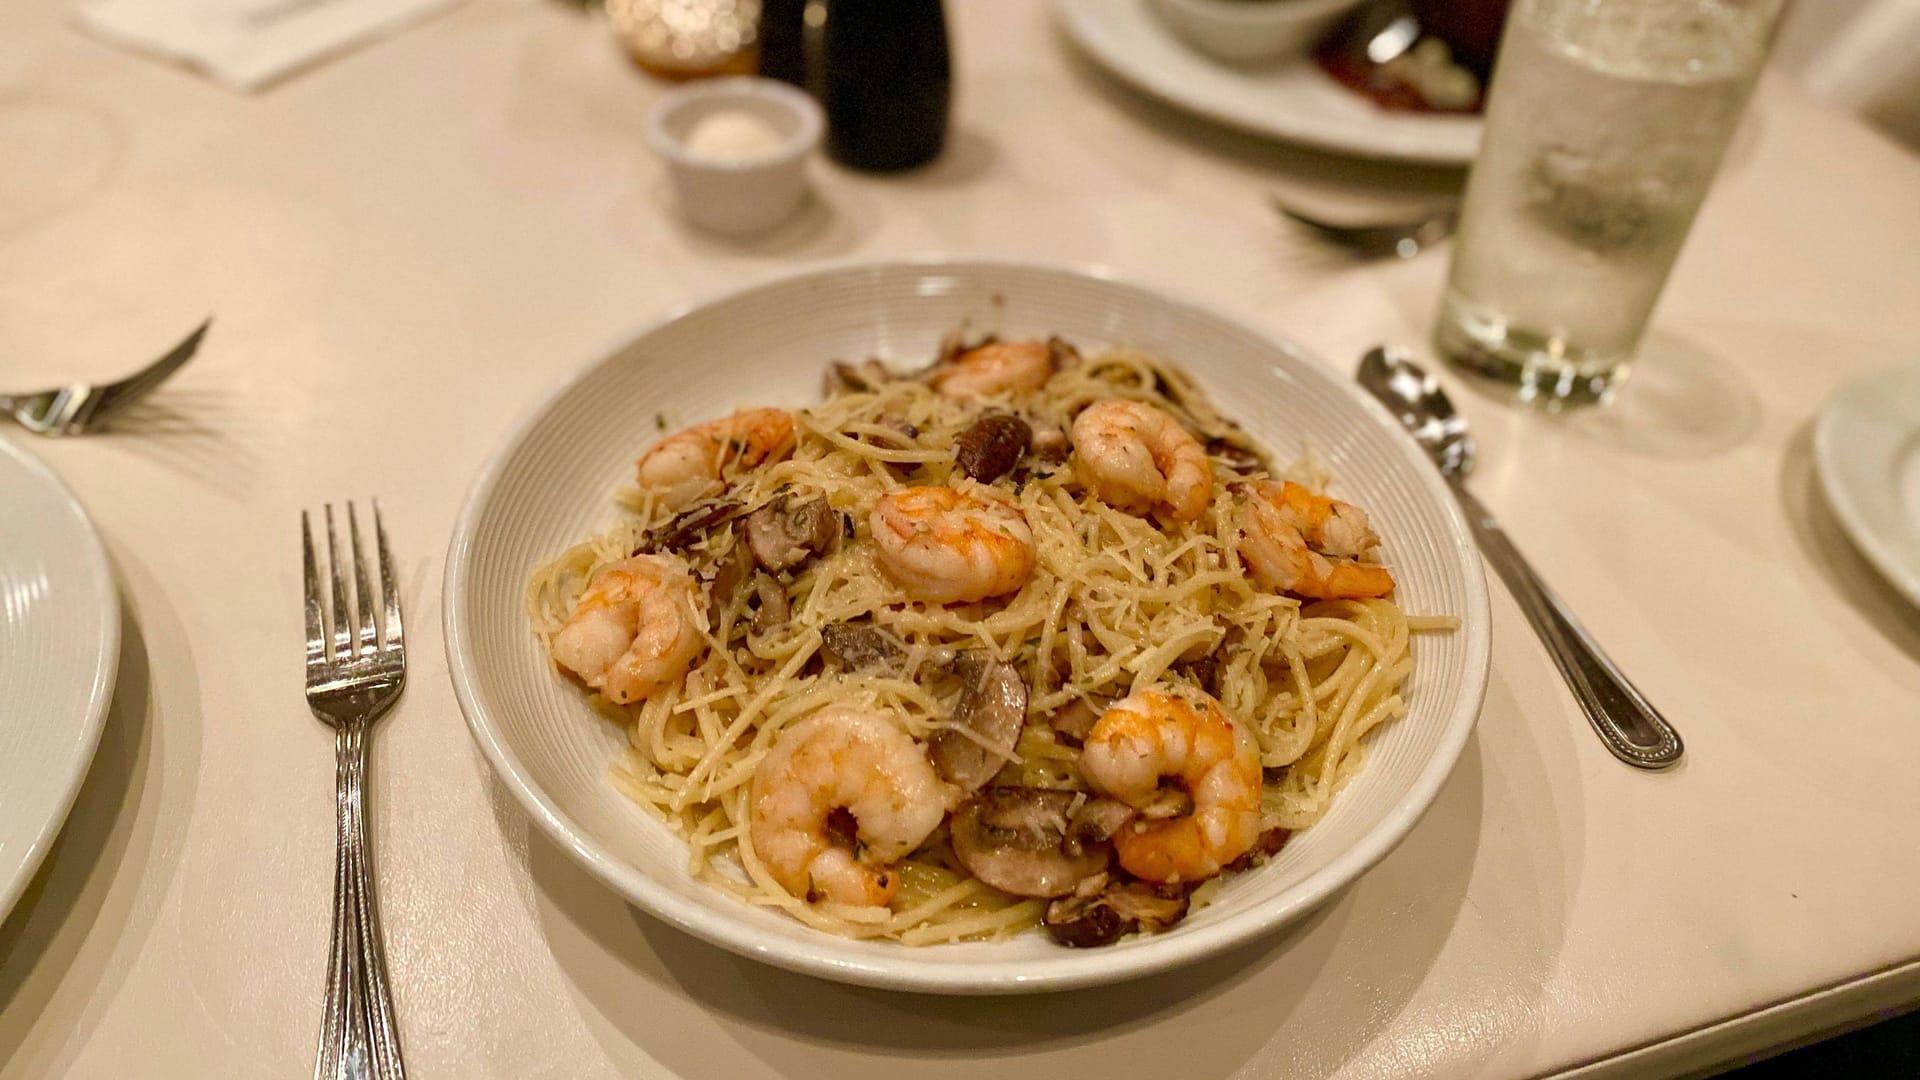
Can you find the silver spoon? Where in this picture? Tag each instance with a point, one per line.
(1629, 726)
(1372, 240)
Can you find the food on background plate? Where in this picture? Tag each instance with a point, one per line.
(1417, 55)
(1471, 28)
(1020, 639)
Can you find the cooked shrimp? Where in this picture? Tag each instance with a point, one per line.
(1138, 458)
(998, 367)
(682, 467)
(632, 634)
(1153, 735)
(1307, 544)
(945, 544)
(853, 760)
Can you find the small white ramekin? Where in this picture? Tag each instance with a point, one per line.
(1248, 31)
(737, 196)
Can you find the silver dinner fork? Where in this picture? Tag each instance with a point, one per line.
(1372, 240)
(349, 686)
(78, 408)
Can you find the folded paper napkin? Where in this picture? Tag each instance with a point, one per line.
(247, 44)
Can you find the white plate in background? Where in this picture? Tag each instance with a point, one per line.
(1293, 101)
(1866, 449)
(59, 649)
(550, 485)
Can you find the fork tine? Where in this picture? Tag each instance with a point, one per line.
(138, 384)
(368, 640)
(394, 639)
(316, 626)
(342, 625)
(1303, 219)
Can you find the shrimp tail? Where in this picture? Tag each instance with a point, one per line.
(1347, 581)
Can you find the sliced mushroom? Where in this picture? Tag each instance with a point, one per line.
(785, 533)
(1154, 908)
(774, 609)
(1207, 669)
(1084, 920)
(1171, 388)
(1013, 838)
(1074, 722)
(1205, 672)
(1049, 443)
(900, 435)
(689, 525)
(990, 446)
(952, 344)
(1238, 456)
(1269, 845)
(729, 579)
(864, 377)
(857, 648)
(992, 709)
(1061, 354)
(1101, 912)
(906, 431)
(1096, 822)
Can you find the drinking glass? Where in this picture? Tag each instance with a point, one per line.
(1606, 121)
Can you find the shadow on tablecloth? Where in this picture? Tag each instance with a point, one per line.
(71, 940)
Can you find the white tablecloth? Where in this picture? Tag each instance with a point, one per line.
(406, 247)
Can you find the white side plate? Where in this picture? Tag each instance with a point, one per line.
(59, 648)
(1866, 447)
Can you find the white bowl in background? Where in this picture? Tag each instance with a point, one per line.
(737, 196)
(550, 483)
(1293, 102)
(1249, 31)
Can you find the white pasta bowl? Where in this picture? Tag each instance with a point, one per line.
(549, 485)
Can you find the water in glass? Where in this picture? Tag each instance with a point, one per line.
(1606, 123)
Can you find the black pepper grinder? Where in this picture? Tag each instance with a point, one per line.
(782, 41)
(883, 75)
